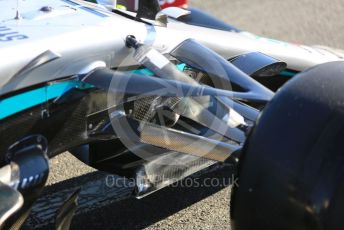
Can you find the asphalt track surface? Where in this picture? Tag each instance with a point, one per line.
(180, 207)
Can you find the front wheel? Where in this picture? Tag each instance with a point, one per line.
(291, 175)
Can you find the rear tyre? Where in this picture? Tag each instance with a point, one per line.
(291, 175)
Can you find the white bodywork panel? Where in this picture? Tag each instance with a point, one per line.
(84, 34)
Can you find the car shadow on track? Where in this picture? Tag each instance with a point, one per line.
(112, 209)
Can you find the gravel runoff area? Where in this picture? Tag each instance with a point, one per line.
(299, 21)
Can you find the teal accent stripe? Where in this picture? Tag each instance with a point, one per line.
(26, 100)
(147, 72)
(20, 102)
(288, 73)
(181, 67)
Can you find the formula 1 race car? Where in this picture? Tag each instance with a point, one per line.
(158, 95)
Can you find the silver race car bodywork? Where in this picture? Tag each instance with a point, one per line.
(76, 76)
(93, 35)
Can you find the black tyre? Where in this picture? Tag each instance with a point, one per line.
(291, 174)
